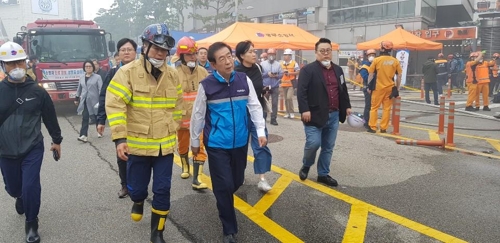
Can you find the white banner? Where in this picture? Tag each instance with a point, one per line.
(49, 7)
(62, 74)
(403, 57)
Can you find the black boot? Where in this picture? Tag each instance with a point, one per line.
(32, 232)
(19, 206)
(137, 211)
(158, 219)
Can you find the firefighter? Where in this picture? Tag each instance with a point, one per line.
(494, 75)
(471, 82)
(385, 66)
(364, 74)
(482, 75)
(442, 74)
(144, 106)
(190, 76)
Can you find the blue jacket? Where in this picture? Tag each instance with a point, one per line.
(208, 67)
(365, 65)
(226, 119)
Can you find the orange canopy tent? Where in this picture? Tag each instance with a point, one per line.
(265, 36)
(401, 39)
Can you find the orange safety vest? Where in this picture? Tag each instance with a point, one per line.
(468, 72)
(483, 72)
(286, 81)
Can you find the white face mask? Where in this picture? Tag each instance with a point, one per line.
(191, 64)
(326, 63)
(156, 63)
(370, 59)
(271, 58)
(17, 75)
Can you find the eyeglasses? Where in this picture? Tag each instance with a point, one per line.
(325, 51)
(125, 50)
(164, 41)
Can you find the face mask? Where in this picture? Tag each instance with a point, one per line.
(326, 63)
(17, 75)
(156, 63)
(271, 58)
(370, 59)
(361, 59)
(191, 64)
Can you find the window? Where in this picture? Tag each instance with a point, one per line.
(428, 11)
(407, 8)
(333, 4)
(70, 47)
(352, 11)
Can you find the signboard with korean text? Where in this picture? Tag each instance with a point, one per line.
(459, 33)
(403, 56)
(62, 74)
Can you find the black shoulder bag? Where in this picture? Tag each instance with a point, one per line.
(18, 102)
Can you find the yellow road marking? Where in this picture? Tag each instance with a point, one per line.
(434, 136)
(456, 134)
(257, 217)
(270, 197)
(495, 144)
(356, 226)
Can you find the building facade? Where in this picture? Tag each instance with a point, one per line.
(17, 13)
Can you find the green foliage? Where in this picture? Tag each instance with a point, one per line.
(223, 16)
(128, 18)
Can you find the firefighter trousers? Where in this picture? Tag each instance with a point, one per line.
(472, 95)
(227, 171)
(381, 97)
(184, 139)
(484, 89)
(139, 174)
(22, 179)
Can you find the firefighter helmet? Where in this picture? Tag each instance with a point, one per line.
(186, 45)
(11, 51)
(496, 55)
(158, 35)
(386, 45)
(473, 54)
(371, 52)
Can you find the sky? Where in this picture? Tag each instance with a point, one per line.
(90, 7)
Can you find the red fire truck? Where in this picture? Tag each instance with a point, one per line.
(61, 47)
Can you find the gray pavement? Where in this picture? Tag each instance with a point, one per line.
(455, 194)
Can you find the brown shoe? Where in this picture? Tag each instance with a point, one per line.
(123, 193)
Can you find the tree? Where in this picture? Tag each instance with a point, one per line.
(223, 12)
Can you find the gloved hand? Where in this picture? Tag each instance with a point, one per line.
(394, 93)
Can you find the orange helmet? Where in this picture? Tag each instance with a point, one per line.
(473, 54)
(186, 45)
(271, 51)
(496, 55)
(386, 45)
(263, 55)
(371, 51)
(440, 55)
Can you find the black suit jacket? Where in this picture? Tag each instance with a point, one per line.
(312, 94)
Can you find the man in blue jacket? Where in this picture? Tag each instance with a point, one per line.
(224, 100)
(365, 65)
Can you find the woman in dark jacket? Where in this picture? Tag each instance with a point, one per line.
(248, 64)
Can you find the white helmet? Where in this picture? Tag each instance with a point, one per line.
(355, 120)
(11, 51)
(288, 52)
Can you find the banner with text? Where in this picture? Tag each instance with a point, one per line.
(62, 74)
(403, 57)
(49, 7)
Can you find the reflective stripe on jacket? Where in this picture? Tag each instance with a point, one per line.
(190, 80)
(286, 81)
(145, 111)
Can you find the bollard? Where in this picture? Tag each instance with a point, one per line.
(451, 125)
(282, 100)
(441, 115)
(396, 117)
(422, 85)
(437, 143)
(448, 95)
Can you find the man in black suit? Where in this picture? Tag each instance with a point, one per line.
(323, 103)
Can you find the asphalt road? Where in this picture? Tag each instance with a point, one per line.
(387, 193)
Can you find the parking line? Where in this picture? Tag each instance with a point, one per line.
(434, 136)
(356, 226)
(270, 197)
(495, 144)
(257, 217)
(456, 134)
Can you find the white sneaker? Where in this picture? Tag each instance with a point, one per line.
(99, 135)
(83, 138)
(292, 116)
(287, 116)
(264, 186)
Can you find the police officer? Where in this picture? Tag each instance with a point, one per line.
(144, 106)
(24, 104)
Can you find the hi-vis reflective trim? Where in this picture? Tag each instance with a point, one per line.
(227, 100)
(120, 90)
(117, 118)
(189, 96)
(156, 102)
(177, 115)
(179, 89)
(150, 143)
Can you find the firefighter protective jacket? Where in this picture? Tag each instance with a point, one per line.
(144, 111)
(190, 80)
